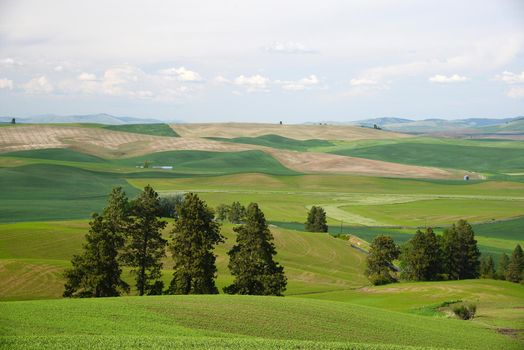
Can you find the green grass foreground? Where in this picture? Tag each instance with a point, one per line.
(232, 322)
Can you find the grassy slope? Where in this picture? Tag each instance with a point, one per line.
(213, 316)
(313, 262)
(277, 141)
(43, 192)
(499, 303)
(458, 156)
(148, 129)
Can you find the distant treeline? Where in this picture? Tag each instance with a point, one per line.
(128, 233)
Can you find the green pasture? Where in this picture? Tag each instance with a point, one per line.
(248, 318)
(277, 141)
(438, 212)
(499, 302)
(183, 162)
(483, 157)
(148, 129)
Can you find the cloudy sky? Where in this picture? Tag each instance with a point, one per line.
(265, 60)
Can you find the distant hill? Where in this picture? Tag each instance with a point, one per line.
(101, 118)
(435, 125)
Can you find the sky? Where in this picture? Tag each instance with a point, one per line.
(263, 61)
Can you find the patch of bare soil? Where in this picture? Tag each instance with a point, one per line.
(298, 132)
(514, 333)
(336, 164)
(101, 142)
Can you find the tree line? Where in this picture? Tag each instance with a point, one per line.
(454, 255)
(129, 234)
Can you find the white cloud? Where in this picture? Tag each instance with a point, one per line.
(6, 84)
(130, 82)
(253, 83)
(516, 92)
(219, 79)
(8, 61)
(58, 68)
(299, 85)
(363, 82)
(38, 85)
(482, 55)
(289, 47)
(87, 77)
(442, 79)
(115, 79)
(182, 74)
(366, 86)
(510, 77)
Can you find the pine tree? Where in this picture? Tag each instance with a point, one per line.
(382, 252)
(96, 272)
(195, 235)
(251, 258)
(460, 252)
(237, 213)
(487, 267)
(222, 212)
(503, 266)
(145, 246)
(421, 257)
(516, 265)
(316, 220)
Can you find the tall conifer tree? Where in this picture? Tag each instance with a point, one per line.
(251, 258)
(516, 265)
(503, 266)
(460, 252)
(145, 246)
(421, 257)
(382, 252)
(195, 235)
(96, 272)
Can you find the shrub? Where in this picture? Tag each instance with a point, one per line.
(465, 311)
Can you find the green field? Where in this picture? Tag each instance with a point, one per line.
(279, 142)
(65, 184)
(478, 158)
(148, 129)
(248, 319)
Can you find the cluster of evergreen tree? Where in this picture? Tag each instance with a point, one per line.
(508, 269)
(316, 220)
(234, 213)
(129, 234)
(454, 255)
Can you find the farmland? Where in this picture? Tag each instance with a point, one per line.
(54, 177)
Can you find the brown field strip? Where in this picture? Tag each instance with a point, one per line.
(298, 132)
(102, 142)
